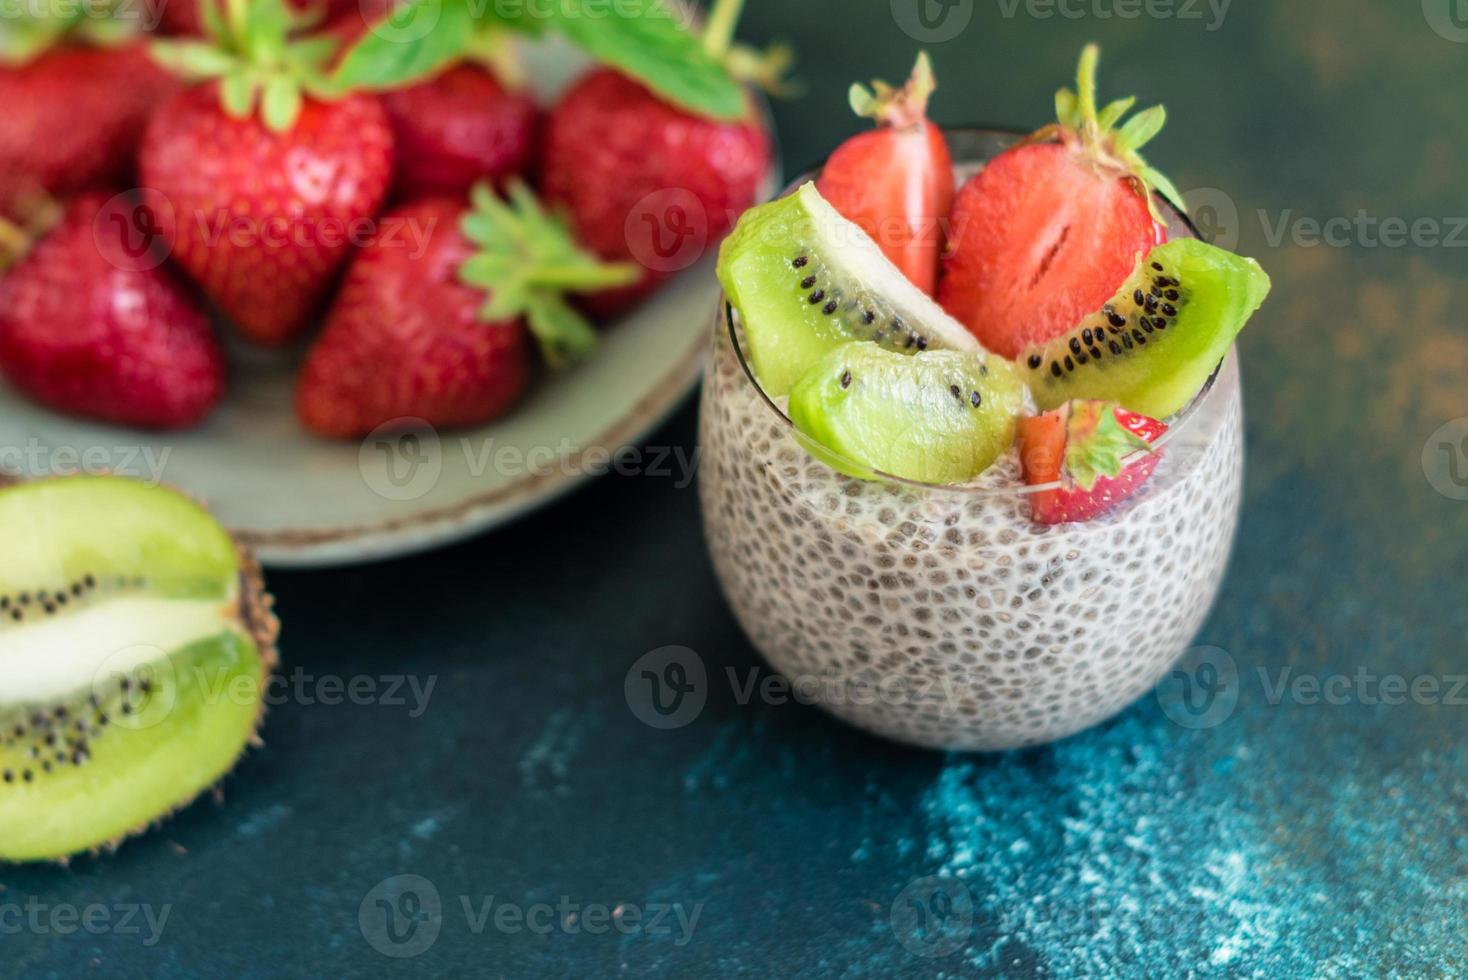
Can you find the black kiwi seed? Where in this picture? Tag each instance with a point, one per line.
(1173, 295)
(846, 379)
(1075, 346)
(1137, 336)
(1116, 319)
(1138, 298)
(1115, 347)
(953, 390)
(1146, 324)
(1086, 336)
(910, 341)
(1126, 340)
(1035, 361)
(1167, 310)
(1096, 353)
(869, 318)
(829, 308)
(817, 296)
(922, 343)
(1157, 266)
(975, 399)
(800, 263)
(1157, 292)
(1055, 368)
(1069, 364)
(807, 282)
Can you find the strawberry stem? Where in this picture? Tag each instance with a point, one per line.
(718, 32)
(1097, 139)
(898, 108)
(525, 262)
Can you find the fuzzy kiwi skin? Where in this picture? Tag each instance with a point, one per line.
(254, 648)
(1152, 359)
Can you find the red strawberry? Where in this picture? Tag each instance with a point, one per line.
(1048, 231)
(646, 181)
(91, 323)
(458, 128)
(897, 181)
(72, 119)
(261, 219)
(1085, 446)
(431, 320)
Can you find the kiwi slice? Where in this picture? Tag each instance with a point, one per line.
(135, 642)
(1155, 344)
(806, 280)
(936, 417)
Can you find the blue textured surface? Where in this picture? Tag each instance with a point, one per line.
(1290, 839)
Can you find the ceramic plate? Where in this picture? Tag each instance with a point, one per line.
(301, 501)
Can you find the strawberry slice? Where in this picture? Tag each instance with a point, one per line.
(896, 181)
(1051, 228)
(1085, 445)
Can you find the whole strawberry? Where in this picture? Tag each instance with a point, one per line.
(643, 180)
(263, 180)
(72, 119)
(459, 127)
(431, 322)
(91, 323)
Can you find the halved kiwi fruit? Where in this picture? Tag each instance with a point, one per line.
(1154, 345)
(936, 417)
(806, 280)
(135, 643)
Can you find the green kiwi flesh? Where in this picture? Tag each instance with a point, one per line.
(1153, 347)
(135, 641)
(806, 280)
(938, 417)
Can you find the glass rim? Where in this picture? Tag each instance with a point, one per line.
(1178, 422)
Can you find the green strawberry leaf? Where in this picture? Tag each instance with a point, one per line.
(413, 42)
(563, 334)
(1142, 128)
(193, 59)
(237, 92)
(646, 40)
(1096, 444)
(281, 103)
(526, 261)
(1111, 115)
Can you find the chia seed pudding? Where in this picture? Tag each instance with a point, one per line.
(944, 616)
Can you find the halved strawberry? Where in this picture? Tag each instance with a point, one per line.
(1050, 229)
(896, 182)
(1085, 445)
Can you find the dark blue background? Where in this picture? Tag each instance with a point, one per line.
(1290, 839)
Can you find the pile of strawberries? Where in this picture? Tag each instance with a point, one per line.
(271, 201)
